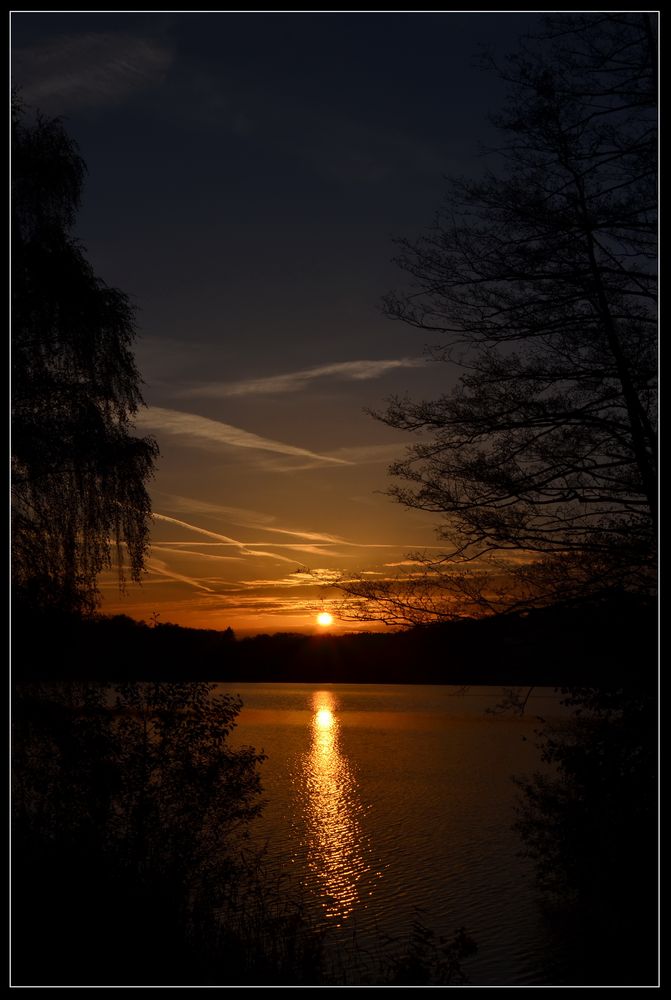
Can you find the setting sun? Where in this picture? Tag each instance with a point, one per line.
(324, 618)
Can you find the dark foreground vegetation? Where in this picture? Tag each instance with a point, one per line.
(590, 826)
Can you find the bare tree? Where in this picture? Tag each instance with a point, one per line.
(539, 284)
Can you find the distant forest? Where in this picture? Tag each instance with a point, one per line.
(611, 642)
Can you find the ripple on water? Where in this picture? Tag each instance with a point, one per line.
(402, 808)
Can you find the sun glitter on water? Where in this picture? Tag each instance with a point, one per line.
(324, 618)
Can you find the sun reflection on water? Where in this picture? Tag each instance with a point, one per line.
(324, 718)
(333, 807)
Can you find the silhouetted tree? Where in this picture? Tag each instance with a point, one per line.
(130, 817)
(539, 282)
(589, 822)
(79, 474)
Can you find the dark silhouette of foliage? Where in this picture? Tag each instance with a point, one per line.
(597, 643)
(130, 813)
(78, 473)
(589, 822)
(431, 960)
(539, 283)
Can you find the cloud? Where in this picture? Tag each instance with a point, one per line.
(190, 552)
(193, 527)
(237, 515)
(158, 566)
(313, 578)
(317, 543)
(351, 455)
(204, 432)
(310, 536)
(406, 562)
(267, 605)
(357, 371)
(361, 454)
(317, 549)
(225, 539)
(311, 540)
(88, 70)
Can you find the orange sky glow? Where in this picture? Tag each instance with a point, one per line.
(246, 178)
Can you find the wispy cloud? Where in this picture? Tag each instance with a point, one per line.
(310, 536)
(313, 549)
(204, 432)
(160, 567)
(361, 454)
(349, 455)
(405, 562)
(88, 70)
(180, 543)
(315, 542)
(357, 371)
(312, 541)
(225, 539)
(193, 527)
(319, 577)
(243, 516)
(191, 552)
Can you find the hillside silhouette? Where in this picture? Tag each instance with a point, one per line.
(609, 642)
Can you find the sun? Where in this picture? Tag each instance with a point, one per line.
(324, 618)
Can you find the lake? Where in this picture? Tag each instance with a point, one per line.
(387, 802)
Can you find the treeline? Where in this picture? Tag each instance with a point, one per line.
(609, 642)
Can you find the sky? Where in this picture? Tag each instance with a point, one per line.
(247, 175)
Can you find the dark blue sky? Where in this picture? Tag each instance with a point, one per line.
(246, 175)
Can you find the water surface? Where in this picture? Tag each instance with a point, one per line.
(389, 801)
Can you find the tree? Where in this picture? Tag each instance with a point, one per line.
(131, 813)
(78, 473)
(589, 822)
(539, 281)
